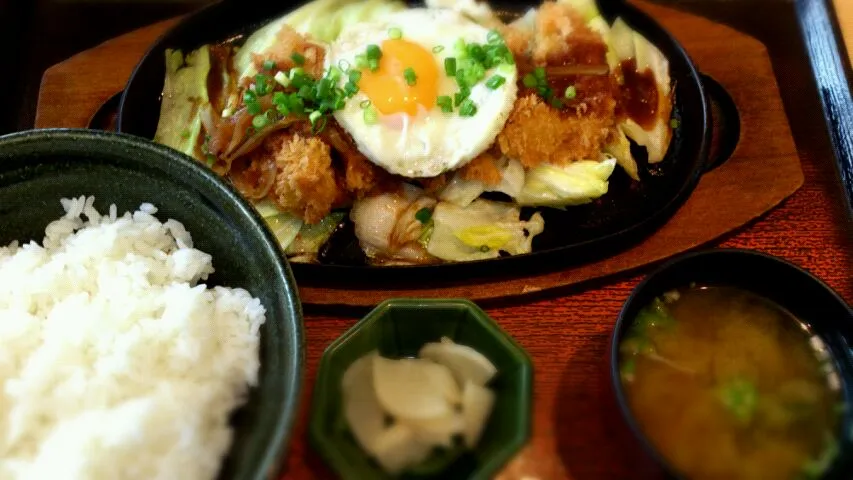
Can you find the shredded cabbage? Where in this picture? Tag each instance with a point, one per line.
(184, 94)
(310, 238)
(625, 44)
(481, 230)
(462, 192)
(575, 184)
(321, 19)
(587, 8)
(283, 225)
(620, 148)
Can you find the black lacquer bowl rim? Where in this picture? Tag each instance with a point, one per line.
(648, 287)
(698, 120)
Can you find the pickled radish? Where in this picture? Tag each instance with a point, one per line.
(466, 363)
(477, 403)
(399, 410)
(413, 388)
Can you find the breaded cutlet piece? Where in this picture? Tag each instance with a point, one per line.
(536, 133)
(305, 184)
(483, 168)
(287, 42)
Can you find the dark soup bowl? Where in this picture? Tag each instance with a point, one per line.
(735, 364)
(40, 167)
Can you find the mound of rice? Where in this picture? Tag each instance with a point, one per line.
(114, 363)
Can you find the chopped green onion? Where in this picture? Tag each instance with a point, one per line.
(395, 33)
(185, 134)
(295, 71)
(467, 108)
(262, 86)
(296, 104)
(556, 103)
(437, 48)
(361, 61)
(370, 116)
(459, 47)
(344, 65)
(450, 66)
(314, 116)
(304, 92)
(211, 159)
(410, 76)
(354, 76)
(350, 89)
(364, 104)
(461, 78)
(461, 95)
(260, 121)
(494, 37)
(334, 74)
(674, 123)
(539, 73)
(253, 108)
(445, 103)
(423, 215)
(324, 86)
(476, 52)
(495, 82)
(281, 79)
(571, 92)
(269, 64)
(373, 64)
(297, 58)
(529, 80)
(373, 52)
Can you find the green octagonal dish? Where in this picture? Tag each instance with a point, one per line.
(398, 328)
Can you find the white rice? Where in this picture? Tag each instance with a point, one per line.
(114, 364)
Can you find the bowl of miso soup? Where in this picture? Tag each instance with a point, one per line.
(732, 364)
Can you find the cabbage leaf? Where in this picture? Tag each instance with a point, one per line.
(462, 192)
(575, 184)
(184, 95)
(283, 225)
(321, 19)
(481, 230)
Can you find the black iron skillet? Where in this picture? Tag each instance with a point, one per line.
(629, 212)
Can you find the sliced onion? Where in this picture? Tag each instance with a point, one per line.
(257, 189)
(257, 139)
(408, 229)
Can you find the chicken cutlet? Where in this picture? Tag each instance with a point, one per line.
(305, 184)
(537, 133)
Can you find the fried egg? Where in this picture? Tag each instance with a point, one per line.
(407, 133)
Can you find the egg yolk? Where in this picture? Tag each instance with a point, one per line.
(387, 87)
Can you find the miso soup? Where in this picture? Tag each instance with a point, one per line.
(728, 385)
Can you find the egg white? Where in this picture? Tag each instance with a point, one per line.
(433, 141)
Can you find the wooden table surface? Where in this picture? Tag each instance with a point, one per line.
(577, 433)
(844, 12)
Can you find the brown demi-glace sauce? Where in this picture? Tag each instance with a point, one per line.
(639, 99)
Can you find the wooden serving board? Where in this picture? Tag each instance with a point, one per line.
(763, 170)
